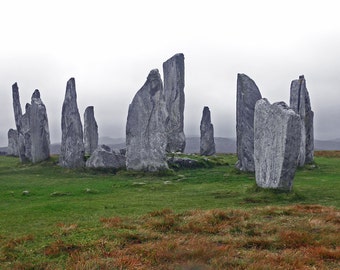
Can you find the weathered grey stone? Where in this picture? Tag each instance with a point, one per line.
(300, 103)
(183, 162)
(104, 157)
(12, 149)
(18, 122)
(90, 131)
(72, 146)
(39, 131)
(33, 141)
(207, 142)
(146, 137)
(277, 136)
(24, 136)
(122, 151)
(309, 127)
(16, 106)
(247, 95)
(173, 70)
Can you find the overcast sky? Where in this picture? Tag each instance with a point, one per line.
(109, 47)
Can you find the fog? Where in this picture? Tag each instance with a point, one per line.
(109, 47)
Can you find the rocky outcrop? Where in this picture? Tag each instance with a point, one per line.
(183, 163)
(72, 145)
(90, 131)
(173, 70)
(207, 143)
(105, 158)
(146, 137)
(247, 95)
(300, 103)
(12, 149)
(39, 131)
(277, 136)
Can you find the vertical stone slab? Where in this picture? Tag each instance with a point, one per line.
(25, 134)
(300, 103)
(18, 122)
(72, 145)
(90, 131)
(12, 149)
(247, 96)
(173, 70)
(309, 127)
(207, 142)
(277, 137)
(16, 106)
(146, 137)
(39, 130)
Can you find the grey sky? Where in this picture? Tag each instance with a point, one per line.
(110, 47)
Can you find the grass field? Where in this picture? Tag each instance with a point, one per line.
(205, 218)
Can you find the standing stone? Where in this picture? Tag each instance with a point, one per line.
(12, 149)
(90, 131)
(18, 122)
(25, 134)
(247, 95)
(309, 127)
(39, 131)
(173, 70)
(72, 145)
(16, 106)
(207, 143)
(276, 144)
(300, 103)
(146, 137)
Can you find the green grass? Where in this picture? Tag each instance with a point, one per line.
(59, 198)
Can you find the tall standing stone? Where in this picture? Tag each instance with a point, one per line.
(173, 70)
(247, 95)
(39, 131)
(18, 122)
(276, 144)
(25, 140)
(72, 145)
(12, 149)
(146, 137)
(300, 103)
(16, 106)
(207, 142)
(90, 131)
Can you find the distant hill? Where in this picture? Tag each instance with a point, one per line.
(223, 145)
(327, 145)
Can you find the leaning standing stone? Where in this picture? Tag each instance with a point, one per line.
(173, 70)
(16, 106)
(277, 139)
(207, 143)
(146, 137)
(90, 131)
(40, 135)
(247, 95)
(72, 146)
(18, 122)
